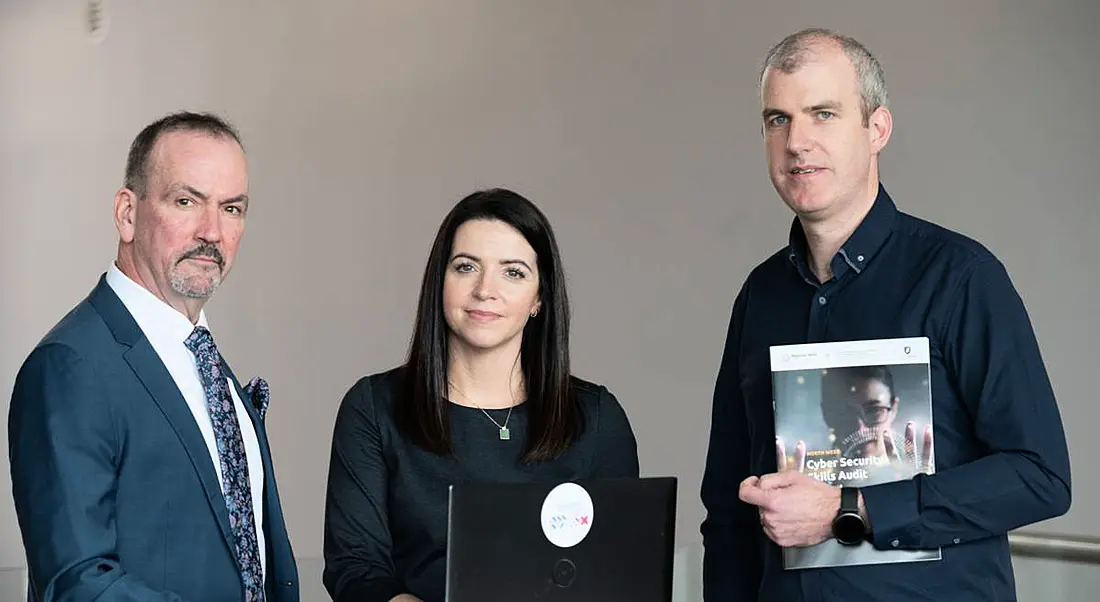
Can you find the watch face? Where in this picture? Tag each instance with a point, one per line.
(848, 529)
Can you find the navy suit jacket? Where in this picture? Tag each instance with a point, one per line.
(115, 491)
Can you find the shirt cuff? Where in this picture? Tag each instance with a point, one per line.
(893, 512)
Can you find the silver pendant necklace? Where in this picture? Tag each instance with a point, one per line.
(505, 434)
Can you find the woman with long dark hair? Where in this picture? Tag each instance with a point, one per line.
(486, 395)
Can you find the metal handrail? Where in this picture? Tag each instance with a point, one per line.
(1054, 546)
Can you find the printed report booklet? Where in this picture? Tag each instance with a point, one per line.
(853, 413)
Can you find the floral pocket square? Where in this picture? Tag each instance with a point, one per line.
(260, 394)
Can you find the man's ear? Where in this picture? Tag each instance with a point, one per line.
(879, 126)
(125, 214)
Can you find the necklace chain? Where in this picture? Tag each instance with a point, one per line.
(505, 434)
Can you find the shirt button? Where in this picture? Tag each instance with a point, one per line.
(956, 540)
(895, 543)
(821, 300)
(859, 258)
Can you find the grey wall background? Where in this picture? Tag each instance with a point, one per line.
(634, 124)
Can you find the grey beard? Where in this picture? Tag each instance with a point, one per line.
(182, 286)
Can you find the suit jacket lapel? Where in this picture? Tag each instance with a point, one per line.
(265, 456)
(280, 567)
(152, 373)
(270, 494)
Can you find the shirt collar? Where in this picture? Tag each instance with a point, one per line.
(860, 248)
(161, 323)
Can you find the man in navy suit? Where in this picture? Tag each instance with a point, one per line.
(140, 467)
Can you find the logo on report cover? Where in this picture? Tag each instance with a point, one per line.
(567, 515)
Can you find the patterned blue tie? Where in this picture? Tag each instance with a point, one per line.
(234, 465)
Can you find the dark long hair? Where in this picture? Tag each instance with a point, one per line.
(554, 419)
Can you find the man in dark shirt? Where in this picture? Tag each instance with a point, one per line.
(858, 268)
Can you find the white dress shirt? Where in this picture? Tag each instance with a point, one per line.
(167, 329)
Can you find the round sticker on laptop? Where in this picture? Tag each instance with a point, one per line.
(567, 515)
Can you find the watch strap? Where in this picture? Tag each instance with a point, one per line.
(849, 499)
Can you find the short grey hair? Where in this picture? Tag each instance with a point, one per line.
(795, 50)
(141, 149)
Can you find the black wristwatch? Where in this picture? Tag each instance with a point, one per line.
(848, 526)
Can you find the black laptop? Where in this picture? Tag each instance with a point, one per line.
(604, 540)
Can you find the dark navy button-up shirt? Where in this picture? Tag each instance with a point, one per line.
(1000, 449)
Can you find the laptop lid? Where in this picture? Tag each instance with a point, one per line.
(584, 541)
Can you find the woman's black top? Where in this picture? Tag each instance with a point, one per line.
(386, 506)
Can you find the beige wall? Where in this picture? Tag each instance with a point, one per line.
(633, 124)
